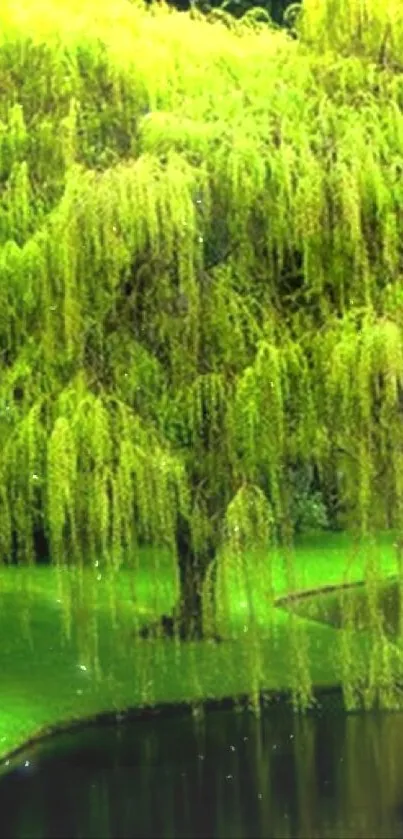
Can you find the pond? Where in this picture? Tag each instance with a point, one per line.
(329, 606)
(223, 774)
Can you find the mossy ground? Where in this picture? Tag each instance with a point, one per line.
(44, 682)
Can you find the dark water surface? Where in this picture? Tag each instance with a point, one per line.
(227, 775)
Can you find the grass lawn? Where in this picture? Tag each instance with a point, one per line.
(45, 682)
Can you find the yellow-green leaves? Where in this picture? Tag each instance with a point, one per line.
(248, 520)
(61, 482)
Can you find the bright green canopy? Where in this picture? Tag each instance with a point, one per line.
(200, 271)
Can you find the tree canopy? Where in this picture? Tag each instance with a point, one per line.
(200, 274)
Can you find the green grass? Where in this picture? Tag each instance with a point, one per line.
(45, 682)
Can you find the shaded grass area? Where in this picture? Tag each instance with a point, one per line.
(45, 680)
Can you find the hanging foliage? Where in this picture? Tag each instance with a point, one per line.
(200, 270)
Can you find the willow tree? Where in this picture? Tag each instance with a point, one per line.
(200, 263)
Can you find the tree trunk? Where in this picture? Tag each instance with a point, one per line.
(186, 620)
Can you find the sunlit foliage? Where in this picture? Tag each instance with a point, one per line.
(200, 264)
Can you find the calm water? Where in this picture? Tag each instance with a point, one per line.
(328, 775)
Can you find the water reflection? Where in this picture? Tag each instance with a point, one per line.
(223, 774)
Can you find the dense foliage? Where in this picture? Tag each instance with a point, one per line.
(200, 272)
